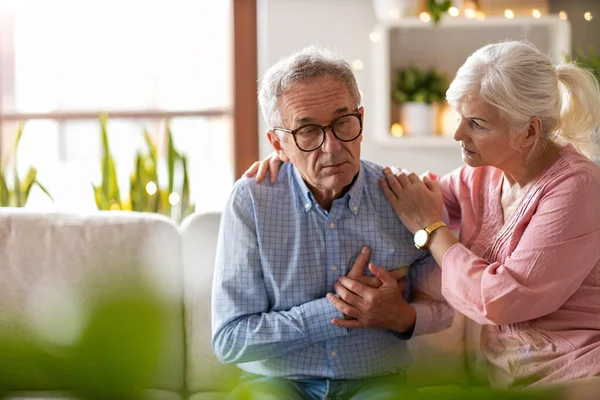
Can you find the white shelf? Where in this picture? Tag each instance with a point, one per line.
(440, 142)
(446, 46)
(463, 22)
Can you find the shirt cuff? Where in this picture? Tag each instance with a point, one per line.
(424, 323)
(317, 316)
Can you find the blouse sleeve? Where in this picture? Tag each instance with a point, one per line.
(450, 185)
(557, 250)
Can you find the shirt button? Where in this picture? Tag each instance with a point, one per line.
(355, 208)
(307, 206)
(334, 268)
(333, 354)
(332, 225)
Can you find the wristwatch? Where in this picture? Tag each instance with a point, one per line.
(422, 235)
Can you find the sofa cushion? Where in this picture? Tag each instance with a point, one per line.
(67, 249)
(199, 241)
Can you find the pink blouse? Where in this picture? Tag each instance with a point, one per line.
(534, 279)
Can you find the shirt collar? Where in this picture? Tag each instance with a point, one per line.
(353, 195)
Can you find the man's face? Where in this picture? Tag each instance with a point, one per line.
(328, 170)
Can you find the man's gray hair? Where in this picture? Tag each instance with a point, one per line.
(301, 67)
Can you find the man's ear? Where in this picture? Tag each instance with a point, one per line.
(276, 142)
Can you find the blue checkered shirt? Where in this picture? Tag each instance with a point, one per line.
(280, 253)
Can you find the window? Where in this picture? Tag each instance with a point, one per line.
(62, 62)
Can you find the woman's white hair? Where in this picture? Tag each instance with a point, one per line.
(522, 82)
(301, 67)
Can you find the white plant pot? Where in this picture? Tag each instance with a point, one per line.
(418, 119)
(386, 10)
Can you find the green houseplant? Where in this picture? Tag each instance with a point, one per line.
(417, 85)
(146, 192)
(417, 92)
(17, 194)
(437, 8)
(589, 60)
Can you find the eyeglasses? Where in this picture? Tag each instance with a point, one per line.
(312, 136)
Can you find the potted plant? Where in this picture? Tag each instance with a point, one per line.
(386, 10)
(146, 193)
(17, 194)
(418, 92)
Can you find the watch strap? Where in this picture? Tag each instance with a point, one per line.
(429, 229)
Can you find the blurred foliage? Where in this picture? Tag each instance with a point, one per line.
(414, 84)
(146, 192)
(18, 194)
(589, 60)
(437, 8)
(114, 356)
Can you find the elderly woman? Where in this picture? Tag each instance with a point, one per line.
(526, 263)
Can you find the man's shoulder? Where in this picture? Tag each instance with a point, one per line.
(249, 188)
(371, 169)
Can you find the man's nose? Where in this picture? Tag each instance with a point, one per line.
(331, 143)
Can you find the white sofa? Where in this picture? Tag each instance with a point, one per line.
(70, 247)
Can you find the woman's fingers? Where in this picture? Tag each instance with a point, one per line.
(274, 164)
(432, 185)
(263, 168)
(251, 171)
(395, 182)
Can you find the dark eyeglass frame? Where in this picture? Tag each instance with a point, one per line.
(324, 130)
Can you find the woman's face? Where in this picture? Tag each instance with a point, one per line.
(484, 136)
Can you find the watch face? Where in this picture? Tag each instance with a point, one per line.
(421, 237)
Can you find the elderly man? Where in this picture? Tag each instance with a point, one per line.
(283, 247)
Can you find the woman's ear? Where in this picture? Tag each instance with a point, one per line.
(276, 143)
(534, 131)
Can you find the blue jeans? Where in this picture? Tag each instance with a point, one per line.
(264, 387)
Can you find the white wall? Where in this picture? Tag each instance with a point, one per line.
(342, 25)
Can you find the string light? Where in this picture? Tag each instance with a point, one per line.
(588, 16)
(536, 13)
(374, 37)
(425, 17)
(151, 188)
(174, 198)
(509, 14)
(397, 130)
(480, 16)
(453, 12)
(562, 15)
(470, 13)
(357, 65)
(394, 13)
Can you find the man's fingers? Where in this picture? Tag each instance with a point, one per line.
(355, 286)
(402, 284)
(342, 306)
(399, 272)
(347, 323)
(383, 274)
(346, 295)
(358, 268)
(370, 281)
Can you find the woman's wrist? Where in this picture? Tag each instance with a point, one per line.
(440, 241)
